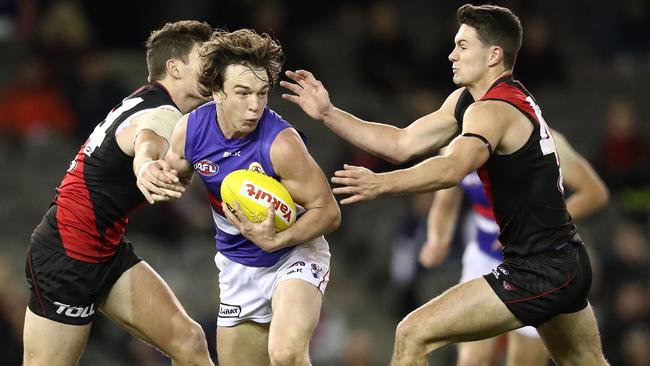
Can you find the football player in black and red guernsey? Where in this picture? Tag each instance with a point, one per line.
(491, 124)
(79, 262)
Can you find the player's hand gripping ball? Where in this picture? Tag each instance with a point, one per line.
(254, 192)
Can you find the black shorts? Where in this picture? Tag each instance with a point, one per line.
(538, 287)
(69, 291)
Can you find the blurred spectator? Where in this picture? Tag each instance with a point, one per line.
(624, 156)
(66, 36)
(627, 274)
(92, 91)
(385, 59)
(17, 18)
(31, 87)
(64, 24)
(12, 308)
(623, 34)
(636, 346)
(630, 256)
(540, 63)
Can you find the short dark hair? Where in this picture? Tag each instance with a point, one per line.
(241, 47)
(495, 25)
(174, 40)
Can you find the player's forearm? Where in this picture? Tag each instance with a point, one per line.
(430, 175)
(147, 151)
(442, 228)
(312, 224)
(584, 203)
(443, 215)
(381, 140)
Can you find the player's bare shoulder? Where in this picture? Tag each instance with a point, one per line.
(289, 153)
(287, 144)
(502, 124)
(449, 105)
(177, 141)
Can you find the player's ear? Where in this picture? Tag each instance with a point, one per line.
(173, 68)
(218, 96)
(495, 55)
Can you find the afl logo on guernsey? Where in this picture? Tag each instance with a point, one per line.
(206, 167)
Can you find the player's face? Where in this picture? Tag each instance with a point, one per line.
(241, 102)
(469, 58)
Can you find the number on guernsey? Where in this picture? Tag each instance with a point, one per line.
(99, 133)
(546, 140)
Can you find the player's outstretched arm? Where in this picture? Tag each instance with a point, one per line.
(154, 178)
(176, 154)
(589, 191)
(388, 142)
(441, 223)
(462, 156)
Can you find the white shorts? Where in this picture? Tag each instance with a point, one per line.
(245, 292)
(476, 263)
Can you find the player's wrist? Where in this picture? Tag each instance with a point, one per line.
(141, 165)
(328, 115)
(282, 239)
(385, 184)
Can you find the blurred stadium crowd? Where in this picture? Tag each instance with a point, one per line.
(67, 62)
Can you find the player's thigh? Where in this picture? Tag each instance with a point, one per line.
(478, 353)
(243, 344)
(469, 311)
(296, 310)
(526, 350)
(143, 303)
(47, 342)
(573, 339)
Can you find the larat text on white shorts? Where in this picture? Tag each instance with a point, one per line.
(476, 263)
(245, 292)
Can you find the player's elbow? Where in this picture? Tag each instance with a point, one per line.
(400, 151)
(399, 155)
(403, 153)
(333, 218)
(267, 248)
(451, 175)
(601, 196)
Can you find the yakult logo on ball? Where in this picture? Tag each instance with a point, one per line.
(259, 195)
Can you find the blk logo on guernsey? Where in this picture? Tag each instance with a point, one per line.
(206, 167)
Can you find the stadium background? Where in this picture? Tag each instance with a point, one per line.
(66, 62)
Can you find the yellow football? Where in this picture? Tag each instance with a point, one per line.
(254, 192)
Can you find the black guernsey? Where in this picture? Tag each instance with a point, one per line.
(525, 187)
(89, 214)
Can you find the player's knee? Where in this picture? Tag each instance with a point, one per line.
(407, 332)
(197, 339)
(194, 346)
(286, 354)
